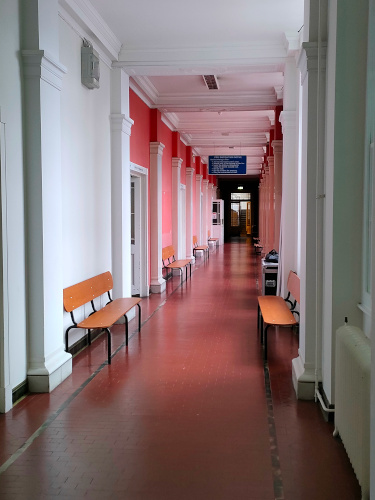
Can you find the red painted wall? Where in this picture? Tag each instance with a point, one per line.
(166, 139)
(183, 155)
(140, 113)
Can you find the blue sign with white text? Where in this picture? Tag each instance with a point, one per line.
(224, 165)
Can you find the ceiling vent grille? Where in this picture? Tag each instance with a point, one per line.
(211, 82)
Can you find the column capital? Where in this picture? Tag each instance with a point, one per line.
(271, 162)
(190, 171)
(199, 177)
(309, 58)
(205, 182)
(41, 65)
(121, 122)
(277, 146)
(288, 120)
(156, 148)
(176, 162)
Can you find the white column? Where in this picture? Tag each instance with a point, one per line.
(204, 235)
(48, 363)
(271, 210)
(289, 220)
(278, 171)
(189, 213)
(176, 206)
(266, 221)
(209, 207)
(156, 155)
(290, 176)
(312, 195)
(6, 402)
(198, 206)
(120, 188)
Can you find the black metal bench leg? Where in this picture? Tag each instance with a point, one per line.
(126, 330)
(66, 337)
(139, 317)
(89, 336)
(109, 347)
(265, 342)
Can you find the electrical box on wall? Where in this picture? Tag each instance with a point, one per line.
(90, 71)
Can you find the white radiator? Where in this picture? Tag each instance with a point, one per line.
(352, 400)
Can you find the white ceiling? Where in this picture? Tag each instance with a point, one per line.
(167, 45)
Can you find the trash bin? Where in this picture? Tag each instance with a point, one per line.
(269, 277)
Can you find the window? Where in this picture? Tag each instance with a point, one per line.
(240, 196)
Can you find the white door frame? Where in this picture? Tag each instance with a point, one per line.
(5, 387)
(142, 173)
(135, 248)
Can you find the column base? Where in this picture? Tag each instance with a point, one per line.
(191, 258)
(47, 377)
(158, 286)
(303, 380)
(6, 401)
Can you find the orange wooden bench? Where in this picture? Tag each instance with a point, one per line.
(200, 248)
(86, 291)
(274, 311)
(170, 262)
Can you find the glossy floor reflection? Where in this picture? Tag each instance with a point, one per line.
(182, 413)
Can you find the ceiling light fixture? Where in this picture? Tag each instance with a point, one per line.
(211, 82)
(239, 188)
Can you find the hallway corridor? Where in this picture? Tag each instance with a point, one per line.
(185, 413)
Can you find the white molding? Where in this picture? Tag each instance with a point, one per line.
(288, 120)
(193, 60)
(168, 122)
(308, 58)
(140, 93)
(41, 65)
(156, 148)
(82, 33)
(89, 19)
(138, 169)
(176, 162)
(121, 122)
(292, 42)
(145, 84)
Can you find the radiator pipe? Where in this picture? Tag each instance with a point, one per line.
(319, 396)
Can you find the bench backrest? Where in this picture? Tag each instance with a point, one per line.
(294, 285)
(85, 291)
(167, 252)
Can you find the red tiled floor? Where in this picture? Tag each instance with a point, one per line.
(182, 413)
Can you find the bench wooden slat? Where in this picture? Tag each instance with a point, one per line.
(178, 264)
(275, 311)
(112, 312)
(79, 294)
(167, 252)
